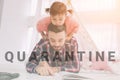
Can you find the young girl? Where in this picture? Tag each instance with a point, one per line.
(58, 16)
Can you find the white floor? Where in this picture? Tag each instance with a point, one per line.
(92, 75)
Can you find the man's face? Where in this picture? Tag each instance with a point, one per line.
(57, 40)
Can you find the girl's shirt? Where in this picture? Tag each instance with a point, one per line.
(70, 23)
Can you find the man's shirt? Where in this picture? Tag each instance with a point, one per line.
(66, 58)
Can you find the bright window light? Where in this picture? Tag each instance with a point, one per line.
(33, 7)
(104, 35)
(29, 37)
(93, 5)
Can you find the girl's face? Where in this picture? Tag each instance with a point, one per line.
(58, 19)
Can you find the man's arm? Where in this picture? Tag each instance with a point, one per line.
(73, 66)
(37, 63)
(34, 58)
(32, 63)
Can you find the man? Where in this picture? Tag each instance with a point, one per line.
(55, 54)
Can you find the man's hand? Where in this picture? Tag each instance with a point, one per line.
(55, 69)
(44, 69)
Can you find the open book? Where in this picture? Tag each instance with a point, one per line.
(74, 77)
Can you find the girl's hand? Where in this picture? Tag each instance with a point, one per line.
(44, 35)
(69, 37)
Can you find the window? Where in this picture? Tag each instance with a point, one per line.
(93, 5)
(1, 7)
(33, 7)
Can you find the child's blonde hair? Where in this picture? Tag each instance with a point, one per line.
(58, 8)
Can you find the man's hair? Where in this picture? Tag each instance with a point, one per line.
(56, 29)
